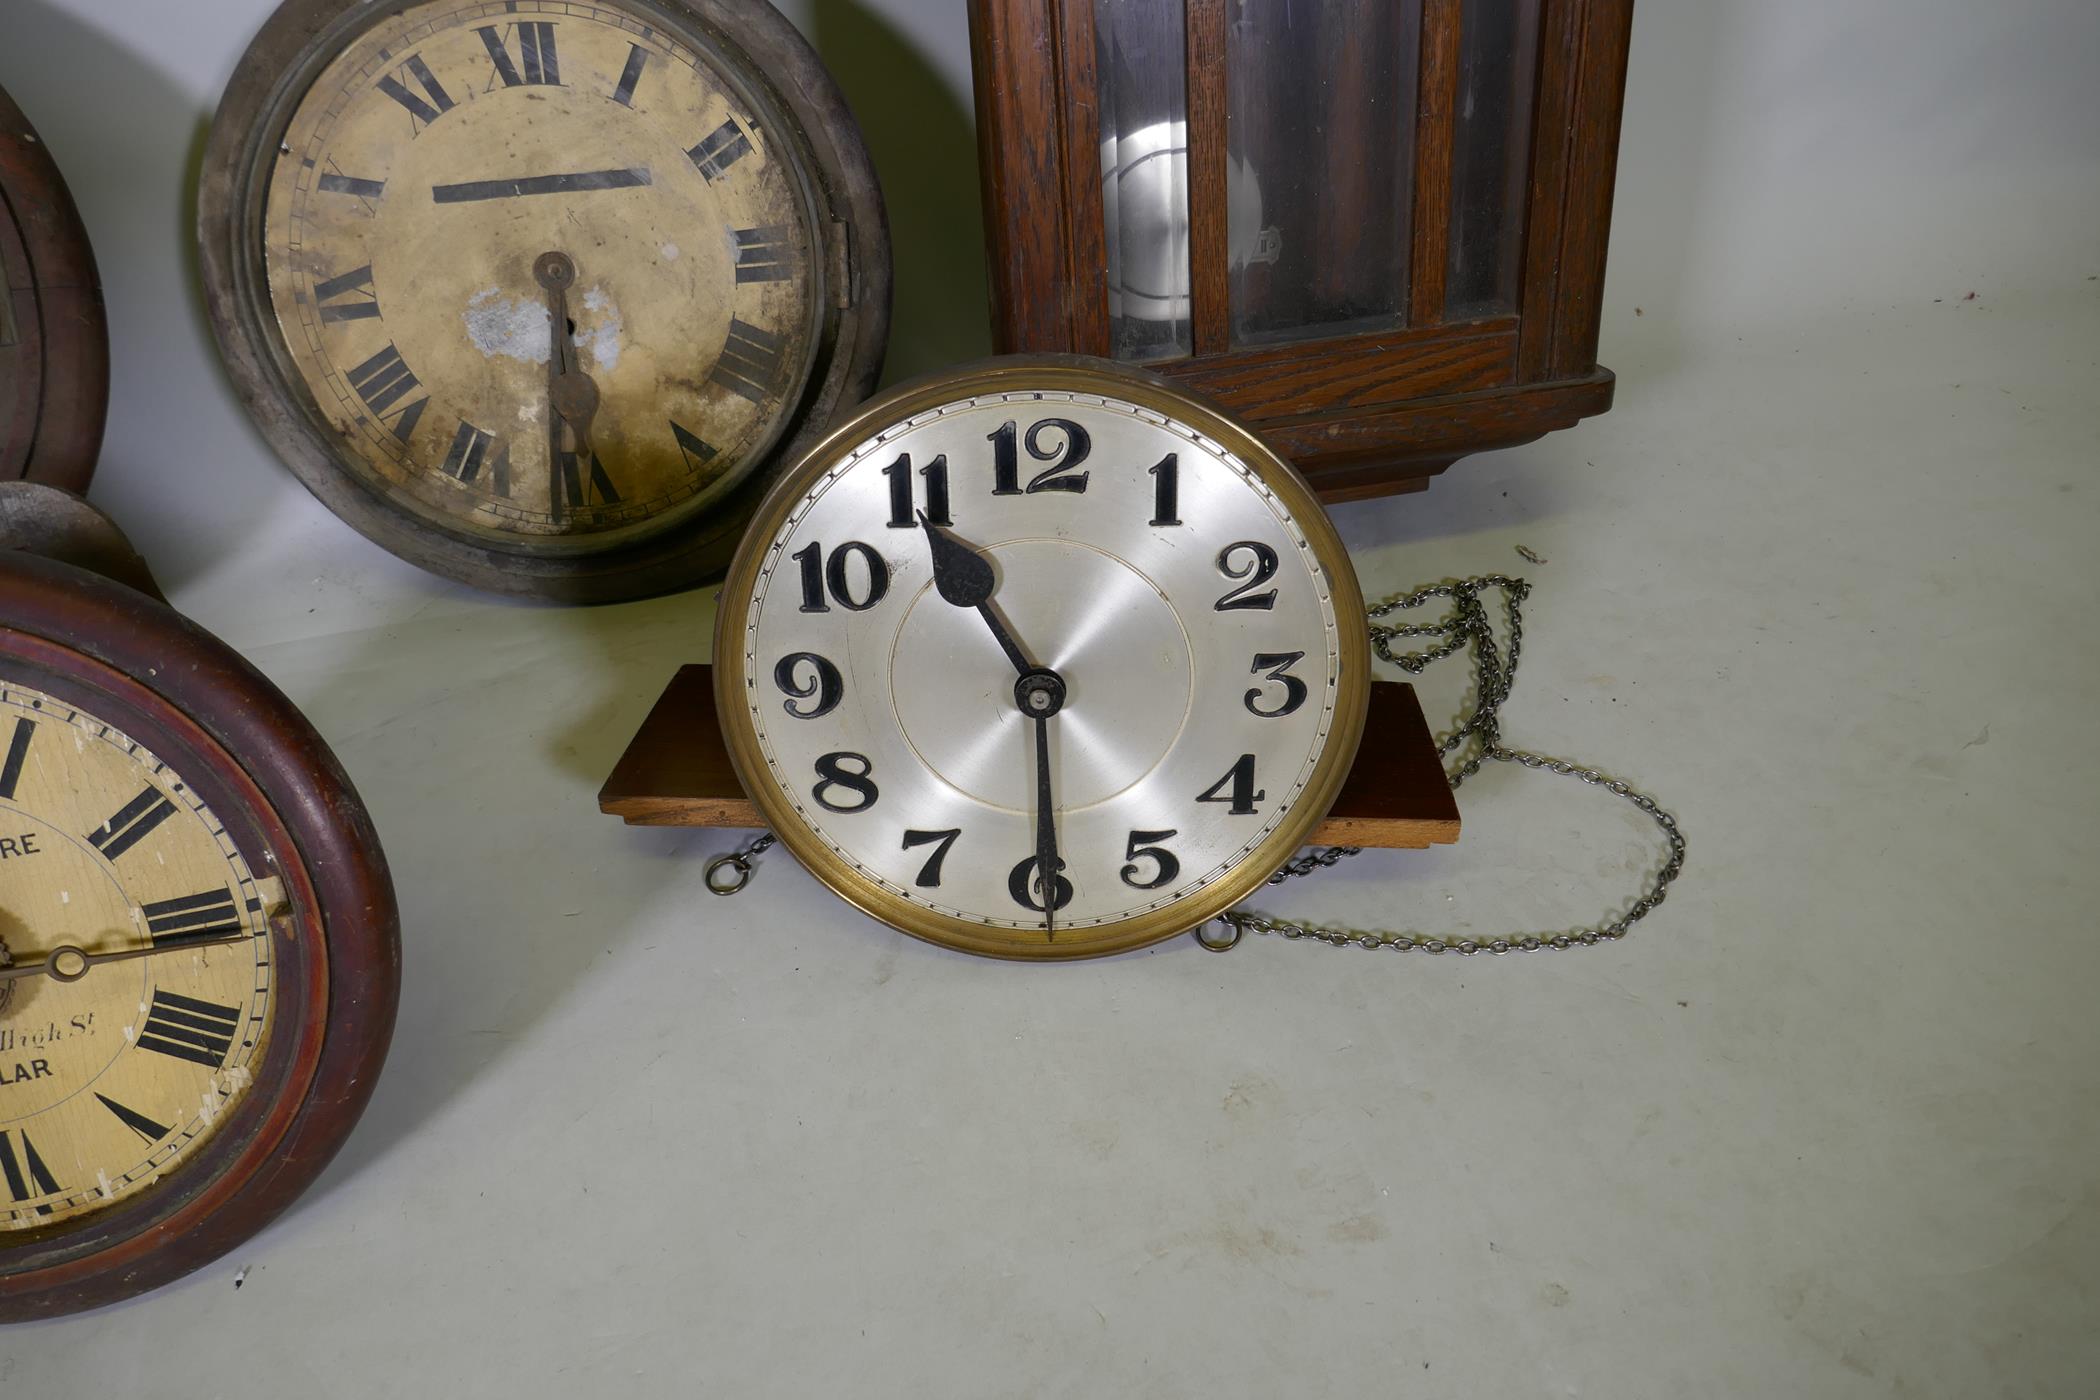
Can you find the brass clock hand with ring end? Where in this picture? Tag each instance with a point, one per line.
(68, 962)
(964, 578)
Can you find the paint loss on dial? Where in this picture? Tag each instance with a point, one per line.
(110, 1082)
(422, 180)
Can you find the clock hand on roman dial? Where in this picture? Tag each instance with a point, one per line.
(964, 578)
(571, 393)
(69, 962)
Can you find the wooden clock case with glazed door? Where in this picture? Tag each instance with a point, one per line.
(1374, 231)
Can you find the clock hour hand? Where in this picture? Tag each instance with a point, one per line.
(572, 395)
(964, 578)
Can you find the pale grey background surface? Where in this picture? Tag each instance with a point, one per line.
(1828, 1125)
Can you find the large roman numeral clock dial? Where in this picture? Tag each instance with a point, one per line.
(1042, 658)
(534, 291)
(198, 953)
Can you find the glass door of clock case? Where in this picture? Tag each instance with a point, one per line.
(1323, 213)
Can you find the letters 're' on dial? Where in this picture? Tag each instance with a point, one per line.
(1048, 670)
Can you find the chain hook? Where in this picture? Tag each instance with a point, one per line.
(1201, 933)
(719, 884)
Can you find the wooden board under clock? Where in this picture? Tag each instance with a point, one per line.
(676, 772)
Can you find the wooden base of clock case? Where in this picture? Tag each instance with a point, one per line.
(676, 772)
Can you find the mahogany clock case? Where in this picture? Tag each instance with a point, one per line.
(54, 343)
(123, 657)
(814, 130)
(1446, 373)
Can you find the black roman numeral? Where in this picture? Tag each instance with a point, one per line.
(765, 254)
(696, 450)
(131, 823)
(536, 65)
(470, 452)
(138, 1122)
(198, 1031)
(382, 382)
(337, 183)
(630, 75)
(17, 756)
(212, 914)
(421, 112)
(27, 1176)
(579, 491)
(362, 303)
(724, 147)
(750, 361)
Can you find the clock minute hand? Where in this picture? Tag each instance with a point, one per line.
(964, 577)
(1046, 860)
(69, 962)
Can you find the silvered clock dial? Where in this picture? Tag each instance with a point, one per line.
(1042, 658)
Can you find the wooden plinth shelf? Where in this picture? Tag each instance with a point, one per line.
(676, 772)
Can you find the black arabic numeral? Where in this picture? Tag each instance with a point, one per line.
(1276, 666)
(1146, 843)
(827, 685)
(1026, 882)
(1240, 778)
(935, 474)
(1258, 572)
(1062, 458)
(821, 576)
(930, 872)
(832, 772)
(1166, 490)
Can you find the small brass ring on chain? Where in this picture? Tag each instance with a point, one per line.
(1202, 934)
(740, 867)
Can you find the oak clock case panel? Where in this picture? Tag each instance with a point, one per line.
(201, 953)
(1374, 231)
(54, 342)
(533, 293)
(1041, 658)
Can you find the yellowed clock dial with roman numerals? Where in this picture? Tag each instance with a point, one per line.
(111, 1080)
(549, 270)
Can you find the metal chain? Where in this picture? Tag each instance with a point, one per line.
(1478, 739)
(740, 862)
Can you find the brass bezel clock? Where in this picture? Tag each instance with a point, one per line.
(1041, 658)
(537, 293)
(199, 948)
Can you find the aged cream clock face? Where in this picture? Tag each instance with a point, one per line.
(1043, 670)
(549, 271)
(109, 1081)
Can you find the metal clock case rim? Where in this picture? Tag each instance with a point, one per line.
(225, 716)
(297, 41)
(1059, 373)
